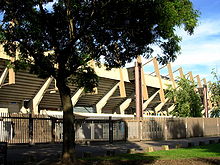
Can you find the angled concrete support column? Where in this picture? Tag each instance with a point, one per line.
(3, 76)
(38, 97)
(204, 81)
(171, 108)
(11, 73)
(156, 68)
(199, 81)
(160, 106)
(181, 72)
(125, 105)
(171, 75)
(76, 96)
(144, 86)
(122, 85)
(191, 77)
(146, 103)
(203, 113)
(104, 100)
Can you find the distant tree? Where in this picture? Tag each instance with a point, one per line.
(185, 98)
(79, 31)
(214, 90)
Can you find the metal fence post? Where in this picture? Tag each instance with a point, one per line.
(92, 130)
(165, 129)
(53, 120)
(125, 130)
(141, 130)
(30, 129)
(203, 127)
(218, 126)
(186, 126)
(110, 130)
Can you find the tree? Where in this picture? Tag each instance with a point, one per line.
(214, 90)
(75, 32)
(185, 98)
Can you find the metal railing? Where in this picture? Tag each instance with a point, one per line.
(27, 128)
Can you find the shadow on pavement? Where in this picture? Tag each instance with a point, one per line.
(23, 154)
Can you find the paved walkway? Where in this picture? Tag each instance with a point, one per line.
(38, 152)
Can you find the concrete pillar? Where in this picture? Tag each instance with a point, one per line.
(138, 88)
(205, 100)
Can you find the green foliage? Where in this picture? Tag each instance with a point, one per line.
(78, 31)
(187, 101)
(214, 89)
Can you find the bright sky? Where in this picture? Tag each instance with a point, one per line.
(201, 51)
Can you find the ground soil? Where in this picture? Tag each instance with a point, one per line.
(194, 161)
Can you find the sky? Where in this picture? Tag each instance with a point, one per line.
(200, 53)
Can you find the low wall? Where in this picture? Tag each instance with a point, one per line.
(17, 128)
(171, 128)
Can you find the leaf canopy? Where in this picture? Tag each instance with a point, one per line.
(214, 89)
(185, 98)
(74, 32)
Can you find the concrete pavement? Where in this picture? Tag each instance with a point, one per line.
(40, 152)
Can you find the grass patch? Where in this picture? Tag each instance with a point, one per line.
(212, 150)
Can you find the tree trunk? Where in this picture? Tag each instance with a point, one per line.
(68, 155)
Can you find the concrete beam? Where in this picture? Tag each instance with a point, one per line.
(146, 103)
(209, 104)
(104, 100)
(156, 68)
(199, 81)
(122, 85)
(204, 81)
(3, 76)
(203, 112)
(11, 76)
(125, 105)
(181, 72)
(191, 77)
(38, 97)
(171, 108)
(160, 106)
(148, 62)
(76, 96)
(171, 75)
(11, 73)
(144, 85)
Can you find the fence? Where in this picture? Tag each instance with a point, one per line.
(24, 128)
(171, 128)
